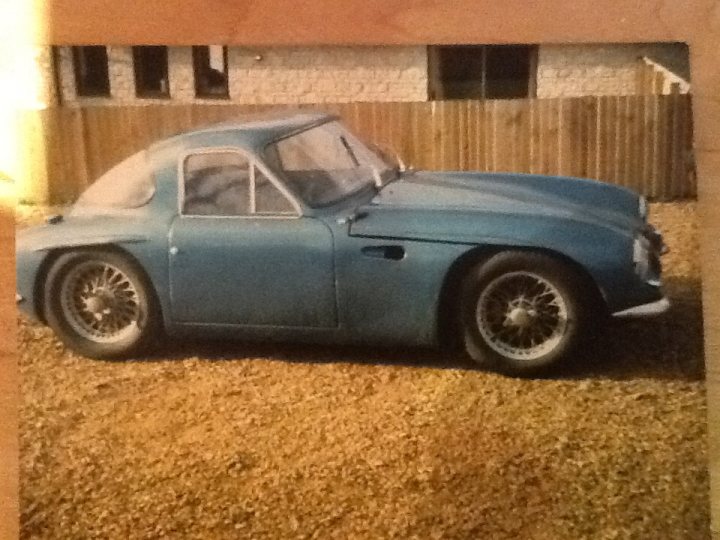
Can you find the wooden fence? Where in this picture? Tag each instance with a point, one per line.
(650, 80)
(642, 142)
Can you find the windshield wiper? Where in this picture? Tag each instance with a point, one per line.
(350, 151)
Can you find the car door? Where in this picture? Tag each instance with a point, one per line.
(240, 251)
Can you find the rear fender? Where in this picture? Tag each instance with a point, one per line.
(89, 241)
(38, 298)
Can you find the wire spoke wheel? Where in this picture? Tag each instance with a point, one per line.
(521, 315)
(100, 302)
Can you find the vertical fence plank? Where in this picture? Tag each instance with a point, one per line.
(482, 141)
(636, 141)
(450, 139)
(553, 136)
(426, 136)
(609, 114)
(462, 136)
(621, 133)
(534, 138)
(419, 114)
(650, 137)
(592, 111)
(662, 149)
(523, 135)
(473, 136)
(436, 111)
(503, 130)
(541, 138)
(575, 136)
(656, 187)
(493, 125)
(561, 140)
(689, 179)
(678, 169)
(685, 130)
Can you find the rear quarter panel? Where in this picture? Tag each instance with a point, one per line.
(142, 233)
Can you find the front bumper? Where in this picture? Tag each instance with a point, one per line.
(646, 310)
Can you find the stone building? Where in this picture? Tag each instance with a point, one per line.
(118, 75)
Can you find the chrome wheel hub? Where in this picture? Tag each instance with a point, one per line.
(521, 315)
(96, 305)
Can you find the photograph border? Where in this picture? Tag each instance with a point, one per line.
(395, 22)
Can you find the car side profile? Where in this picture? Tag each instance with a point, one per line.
(291, 228)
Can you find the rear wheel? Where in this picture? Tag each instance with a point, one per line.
(522, 312)
(100, 304)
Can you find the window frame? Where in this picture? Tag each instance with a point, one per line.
(201, 93)
(79, 58)
(437, 86)
(137, 70)
(254, 164)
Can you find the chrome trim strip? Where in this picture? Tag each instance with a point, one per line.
(646, 310)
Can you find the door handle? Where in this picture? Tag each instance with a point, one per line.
(355, 216)
(393, 253)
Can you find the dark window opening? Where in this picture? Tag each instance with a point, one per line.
(217, 184)
(507, 72)
(211, 71)
(482, 72)
(91, 71)
(151, 71)
(228, 184)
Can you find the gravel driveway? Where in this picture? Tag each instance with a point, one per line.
(234, 440)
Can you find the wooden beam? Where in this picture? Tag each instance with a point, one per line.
(369, 22)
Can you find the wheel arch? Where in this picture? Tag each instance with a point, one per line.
(447, 324)
(54, 254)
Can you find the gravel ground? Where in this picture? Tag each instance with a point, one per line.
(233, 440)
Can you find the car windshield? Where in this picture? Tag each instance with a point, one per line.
(326, 163)
(130, 184)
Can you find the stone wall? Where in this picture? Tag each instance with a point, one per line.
(274, 75)
(345, 74)
(328, 74)
(596, 70)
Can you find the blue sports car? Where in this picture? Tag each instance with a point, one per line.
(289, 227)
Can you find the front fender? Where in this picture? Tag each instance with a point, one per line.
(604, 250)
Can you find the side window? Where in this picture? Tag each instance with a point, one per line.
(228, 184)
(217, 184)
(268, 198)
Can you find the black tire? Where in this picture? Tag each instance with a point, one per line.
(110, 319)
(500, 325)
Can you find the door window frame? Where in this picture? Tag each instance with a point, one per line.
(253, 164)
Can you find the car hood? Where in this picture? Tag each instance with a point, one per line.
(423, 204)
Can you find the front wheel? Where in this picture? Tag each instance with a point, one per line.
(522, 312)
(100, 304)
